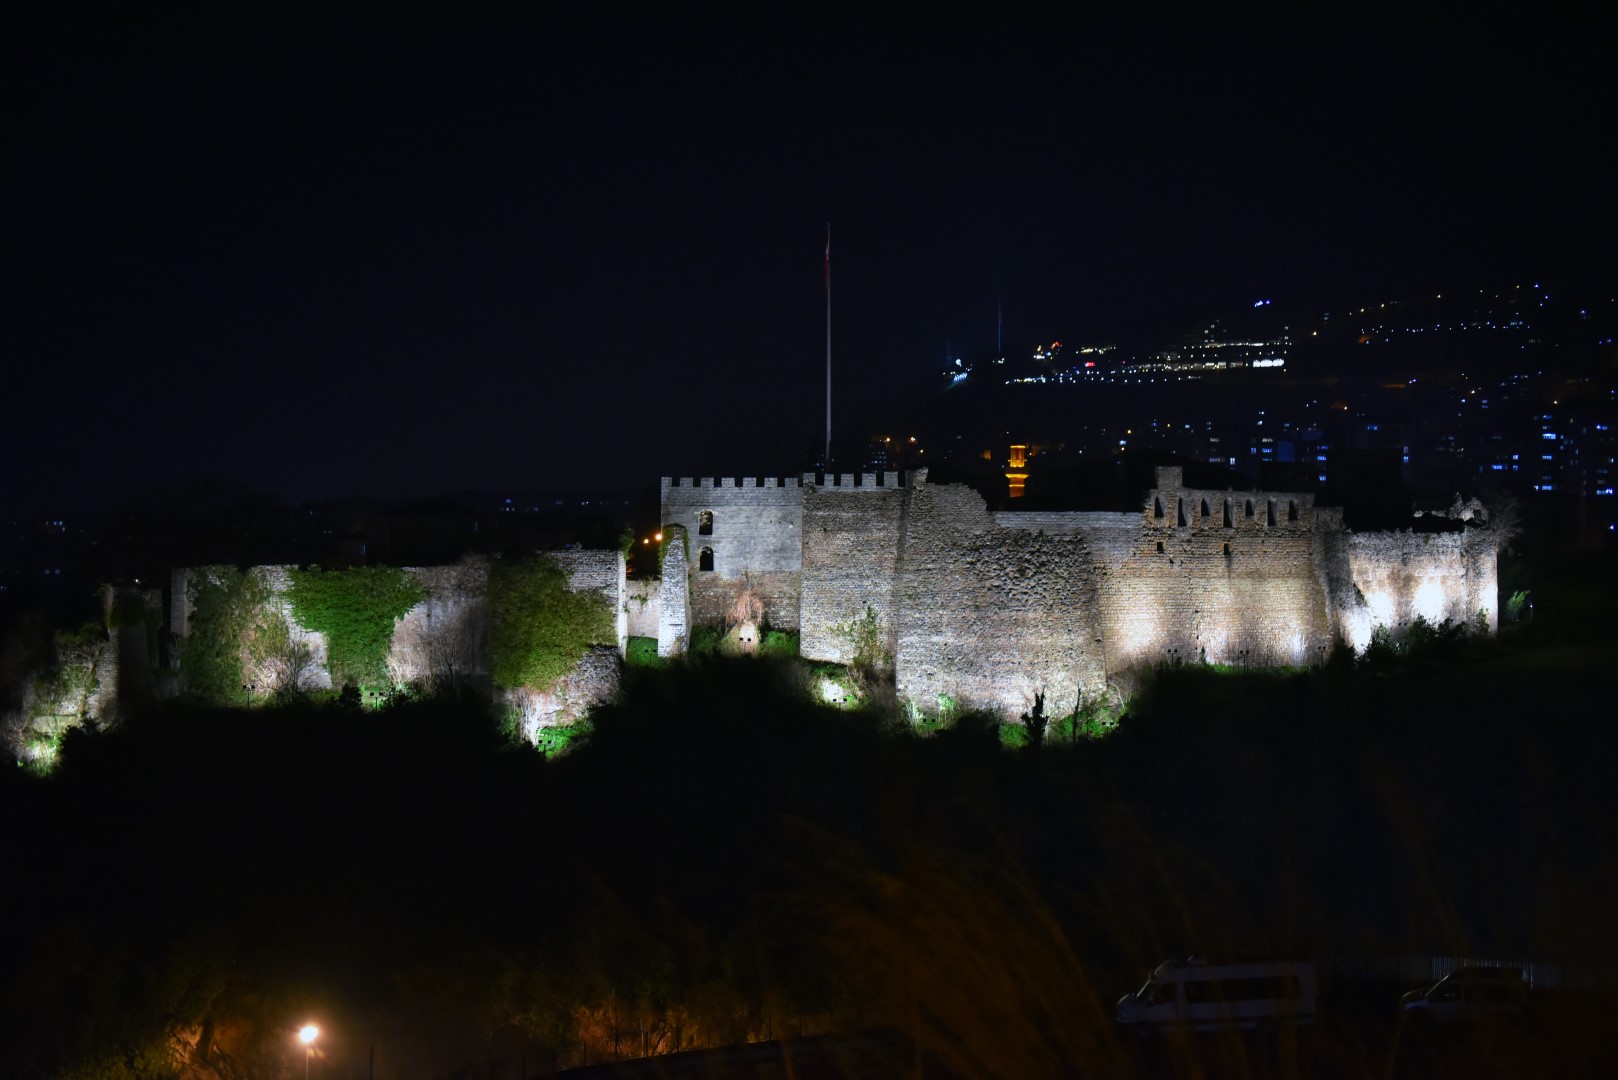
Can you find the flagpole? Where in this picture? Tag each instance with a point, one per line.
(828, 345)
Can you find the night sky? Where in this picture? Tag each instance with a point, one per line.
(396, 259)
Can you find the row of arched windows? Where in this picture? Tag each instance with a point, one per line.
(1248, 511)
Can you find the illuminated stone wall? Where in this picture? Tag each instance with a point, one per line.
(1438, 576)
(601, 572)
(1182, 585)
(989, 608)
(851, 540)
(674, 600)
(445, 637)
(642, 603)
(756, 541)
(442, 638)
(990, 614)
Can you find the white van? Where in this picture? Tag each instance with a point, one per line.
(1194, 995)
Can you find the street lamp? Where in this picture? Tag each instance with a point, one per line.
(307, 1035)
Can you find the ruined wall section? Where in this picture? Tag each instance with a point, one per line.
(442, 639)
(1437, 576)
(752, 540)
(989, 614)
(445, 638)
(1212, 576)
(604, 573)
(674, 601)
(302, 664)
(1349, 617)
(851, 539)
(642, 606)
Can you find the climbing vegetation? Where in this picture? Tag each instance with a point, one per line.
(356, 610)
(539, 628)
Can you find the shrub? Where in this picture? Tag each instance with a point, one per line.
(557, 740)
(706, 641)
(866, 642)
(779, 643)
(1013, 736)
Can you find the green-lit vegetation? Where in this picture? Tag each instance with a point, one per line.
(781, 643)
(1094, 720)
(555, 740)
(706, 641)
(356, 610)
(539, 627)
(225, 604)
(58, 698)
(642, 652)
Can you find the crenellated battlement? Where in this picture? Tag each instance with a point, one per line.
(1170, 504)
(988, 607)
(886, 478)
(710, 483)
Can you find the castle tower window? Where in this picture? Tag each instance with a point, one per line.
(1160, 547)
(1227, 551)
(1157, 508)
(1269, 513)
(1227, 514)
(1249, 509)
(1292, 510)
(705, 559)
(705, 523)
(1179, 512)
(1205, 514)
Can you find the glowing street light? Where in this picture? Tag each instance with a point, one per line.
(307, 1035)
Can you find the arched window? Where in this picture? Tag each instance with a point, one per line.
(1179, 512)
(1157, 508)
(1249, 509)
(1292, 510)
(1227, 514)
(705, 559)
(1205, 514)
(705, 523)
(1269, 512)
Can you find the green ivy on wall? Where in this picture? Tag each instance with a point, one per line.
(539, 628)
(225, 602)
(356, 610)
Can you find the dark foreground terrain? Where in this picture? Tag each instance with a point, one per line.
(724, 861)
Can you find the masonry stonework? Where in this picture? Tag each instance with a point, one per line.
(988, 609)
(674, 603)
(642, 603)
(853, 536)
(744, 533)
(443, 638)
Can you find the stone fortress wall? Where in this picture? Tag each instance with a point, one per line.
(444, 636)
(980, 608)
(987, 608)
